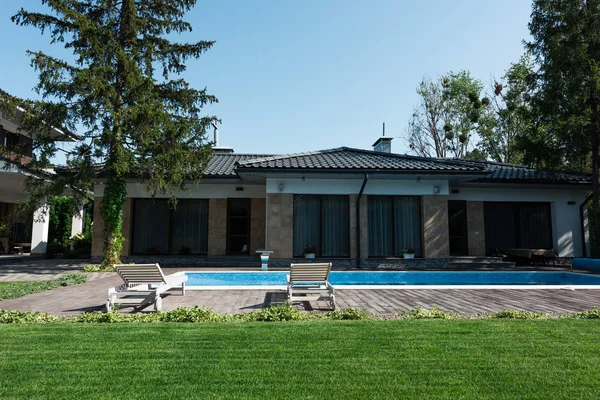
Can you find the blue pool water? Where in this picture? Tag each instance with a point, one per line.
(358, 278)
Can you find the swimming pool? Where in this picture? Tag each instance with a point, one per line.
(401, 280)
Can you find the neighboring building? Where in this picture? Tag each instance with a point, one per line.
(355, 204)
(26, 233)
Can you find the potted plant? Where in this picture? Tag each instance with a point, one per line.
(409, 252)
(309, 252)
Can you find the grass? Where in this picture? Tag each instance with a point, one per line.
(10, 290)
(333, 359)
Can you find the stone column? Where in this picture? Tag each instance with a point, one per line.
(436, 241)
(77, 221)
(476, 228)
(98, 230)
(39, 230)
(280, 224)
(364, 227)
(217, 227)
(126, 228)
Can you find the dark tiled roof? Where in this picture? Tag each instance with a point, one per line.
(223, 165)
(500, 172)
(345, 158)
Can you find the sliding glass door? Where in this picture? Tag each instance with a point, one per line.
(517, 226)
(322, 221)
(394, 224)
(158, 228)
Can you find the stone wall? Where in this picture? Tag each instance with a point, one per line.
(476, 228)
(280, 222)
(257, 225)
(217, 227)
(435, 227)
(364, 228)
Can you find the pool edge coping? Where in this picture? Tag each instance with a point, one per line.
(396, 287)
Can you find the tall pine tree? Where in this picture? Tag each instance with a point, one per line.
(122, 92)
(566, 44)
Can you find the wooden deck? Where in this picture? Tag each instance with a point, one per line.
(91, 296)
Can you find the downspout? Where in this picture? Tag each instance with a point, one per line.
(362, 188)
(581, 208)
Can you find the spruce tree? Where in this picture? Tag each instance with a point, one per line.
(121, 91)
(566, 44)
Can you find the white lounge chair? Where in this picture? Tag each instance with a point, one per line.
(306, 279)
(144, 283)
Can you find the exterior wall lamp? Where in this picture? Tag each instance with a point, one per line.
(281, 186)
(436, 190)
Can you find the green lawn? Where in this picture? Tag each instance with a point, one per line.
(322, 359)
(11, 290)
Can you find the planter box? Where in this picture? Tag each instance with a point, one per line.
(309, 255)
(409, 256)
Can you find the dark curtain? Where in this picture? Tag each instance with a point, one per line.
(189, 227)
(407, 224)
(517, 226)
(150, 233)
(307, 210)
(380, 226)
(535, 231)
(499, 227)
(335, 226)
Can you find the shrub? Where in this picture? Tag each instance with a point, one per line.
(27, 317)
(72, 279)
(54, 249)
(284, 312)
(194, 314)
(349, 313)
(98, 268)
(278, 313)
(594, 313)
(434, 313)
(518, 314)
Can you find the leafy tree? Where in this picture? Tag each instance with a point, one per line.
(566, 45)
(510, 116)
(135, 116)
(447, 116)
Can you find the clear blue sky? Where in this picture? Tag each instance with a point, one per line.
(306, 75)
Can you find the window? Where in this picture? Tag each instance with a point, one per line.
(322, 221)
(394, 223)
(14, 140)
(517, 226)
(160, 229)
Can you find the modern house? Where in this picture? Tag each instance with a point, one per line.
(361, 206)
(26, 233)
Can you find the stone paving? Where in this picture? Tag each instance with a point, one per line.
(91, 296)
(27, 268)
